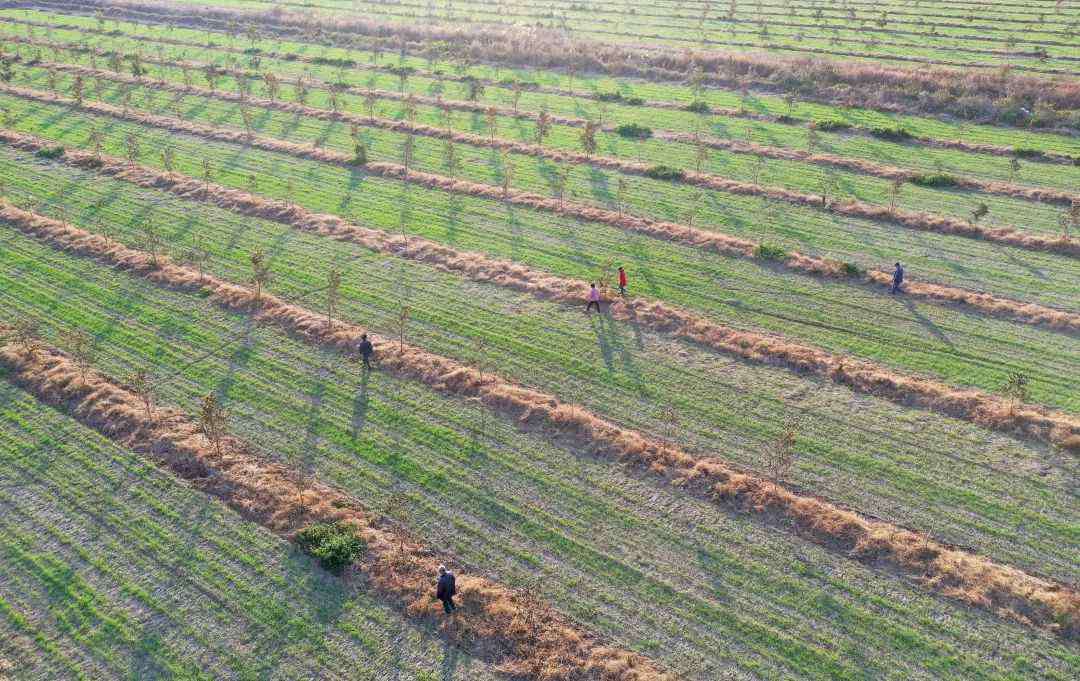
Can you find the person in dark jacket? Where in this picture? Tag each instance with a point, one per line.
(366, 350)
(897, 279)
(446, 589)
(622, 281)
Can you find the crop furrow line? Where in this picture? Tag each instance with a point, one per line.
(954, 573)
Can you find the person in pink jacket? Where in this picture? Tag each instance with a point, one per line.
(594, 299)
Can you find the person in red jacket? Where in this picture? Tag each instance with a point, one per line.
(622, 281)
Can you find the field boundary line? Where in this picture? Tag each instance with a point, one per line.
(909, 139)
(961, 575)
(523, 637)
(666, 42)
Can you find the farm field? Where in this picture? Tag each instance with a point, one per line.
(1041, 38)
(760, 464)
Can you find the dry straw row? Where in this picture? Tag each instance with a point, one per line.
(854, 83)
(987, 410)
(851, 208)
(718, 143)
(958, 574)
(519, 634)
(856, 165)
(1028, 313)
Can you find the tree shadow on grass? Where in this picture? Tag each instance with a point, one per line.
(239, 358)
(360, 405)
(927, 323)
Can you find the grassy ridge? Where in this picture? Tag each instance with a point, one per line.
(609, 559)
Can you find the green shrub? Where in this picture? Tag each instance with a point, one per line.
(334, 61)
(633, 101)
(896, 134)
(771, 252)
(360, 156)
(699, 106)
(634, 131)
(336, 545)
(662, 172)
(252, 50)
(830, 125)
(852, 270)
(1023, 152)
(939, 180)
(609, 96)
(51, 152)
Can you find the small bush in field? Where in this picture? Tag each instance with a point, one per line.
(662, 172)
(336, 545)
(852, 270)
(830, 125)
(634, 131)
(896, 134)
(1023, 152)
(935, 180)
(698, 106)
(51, 153)
(771, 252)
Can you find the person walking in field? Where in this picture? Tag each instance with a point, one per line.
(622, 281)
(897, 279)
(445, 589)
(594, 299)
(367, 350)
